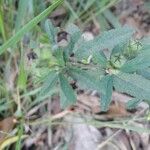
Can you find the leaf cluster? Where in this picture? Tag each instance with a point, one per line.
(111, 61)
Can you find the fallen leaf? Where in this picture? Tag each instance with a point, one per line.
(6, 125)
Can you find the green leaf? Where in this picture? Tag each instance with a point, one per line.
(100, 58)
(59, 55)
(2, 26)
(107, 83)
(140, 62)
(119, 49)
(85, 79)
(132, 84)
(146, 41)
(21, 13)
(131, 104)
(67, 95)
(74, 31)
(145, 73)
(22, 78)
(14, 39)
(113, 20)
(51, 31)
(107, 39)
(75, 34)
(49, 83)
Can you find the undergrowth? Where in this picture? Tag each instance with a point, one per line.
(38, 60)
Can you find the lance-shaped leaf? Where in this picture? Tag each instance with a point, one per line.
(142, 61)
(145, 41)
(107, 84)
(49, 83)
(119, 49)
(107, 39)
(74, 35)
(100, 58)
(51, 31)
(85, 79)
(67, 95)
(145, 73)
(131, 104)
(74, 31)
(132, 84)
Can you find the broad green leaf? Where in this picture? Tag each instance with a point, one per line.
(107, 39)
(119, 48)
(107, 84)
(59, 54)
(132, 84)
(85, 79)
(131, 104)
(51, 31)
(75, 34)
(74, 31)
(96, 72)
(145, 42)
(142, 61)
(26, 28)
(67, 95)
(49, 83)
(100, 58)
(145, 73)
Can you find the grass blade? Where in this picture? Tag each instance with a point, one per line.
(2, 28)
(14, 39)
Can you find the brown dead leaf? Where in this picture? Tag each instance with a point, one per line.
(91, 104)
(6, 125)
